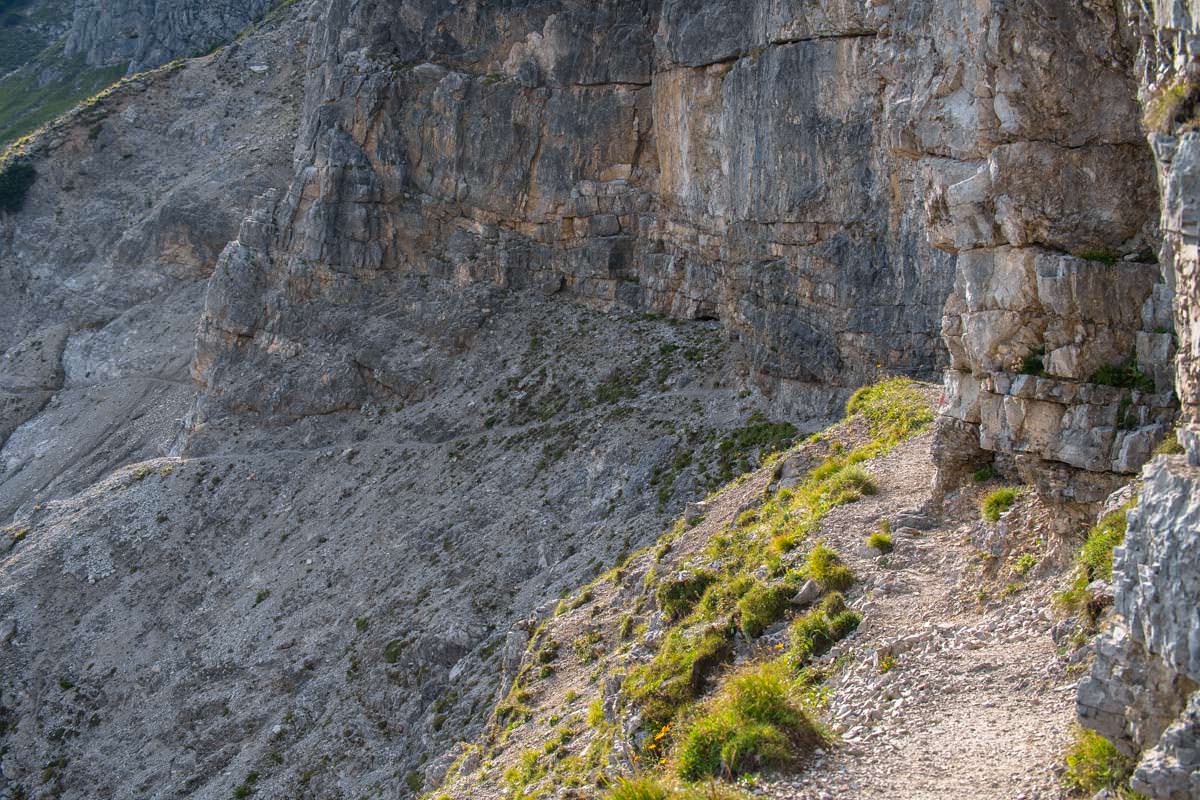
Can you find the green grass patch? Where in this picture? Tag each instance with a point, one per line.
(1123, 376)
(983, 474)
(26, 105)
(895, 409)
(849, 484)
(763, 606)
(1095, 764)
(1101, 255)
(1095, 559)
(595, 713)
(1096, 556)
(746, 583)
(1034, 363)
(679, 672)
(528, 770)
(881, 542)
(1024, 563)
(825, 567)
(996, 503)
(754, 722)
(640, 789)
(812, 634)
(648, 788)
(677, 596)
(1170, 446)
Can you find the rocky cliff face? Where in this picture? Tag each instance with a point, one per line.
(1055, 280)
(1142, 692)
(309, 396)
(149, 33)
(636, 180)
(705, 163)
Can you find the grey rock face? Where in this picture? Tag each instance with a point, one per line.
(1142, 691)
(102, 276)
(604, 152)
(148, 33)
(1020, 303)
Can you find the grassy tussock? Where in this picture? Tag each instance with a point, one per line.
(996, 503)
(1095, 559)
(825, 567)
(881, 542)
(812, 634)
(649, 788)
(1094, 764)
(755, 721)
(677, 596)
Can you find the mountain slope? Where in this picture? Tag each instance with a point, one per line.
(953, 663)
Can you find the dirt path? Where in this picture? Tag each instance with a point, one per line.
(977, 705)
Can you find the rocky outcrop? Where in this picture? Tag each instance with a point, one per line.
(1143, 689)
(102, 274)
(410, 425)
(1054, 282)
(149, 33)
(624, 175)
(702, 162)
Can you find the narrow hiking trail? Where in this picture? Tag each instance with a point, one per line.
(944, 696)
(952, 686)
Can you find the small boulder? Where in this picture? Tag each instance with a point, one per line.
(808, 594)
(913, 519)
(1101, 591)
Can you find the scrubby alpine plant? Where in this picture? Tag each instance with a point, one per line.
(755, 721)
(996, 503)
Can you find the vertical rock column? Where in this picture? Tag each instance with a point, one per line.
(1142, 691)
(1057, 295)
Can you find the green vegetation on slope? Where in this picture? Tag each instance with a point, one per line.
(23, 26)
(26, 104)
(1125, 375)
(754, 721)
(646, 788)
(1095, 765)
(994, 504)
(698, 718)
(722, 736)
(1095, 560)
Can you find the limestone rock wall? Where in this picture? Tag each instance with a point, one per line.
(810, 174)
(1055, 279)
(1142, 691)
(761, 166)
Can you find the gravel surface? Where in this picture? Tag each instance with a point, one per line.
(977, 704)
